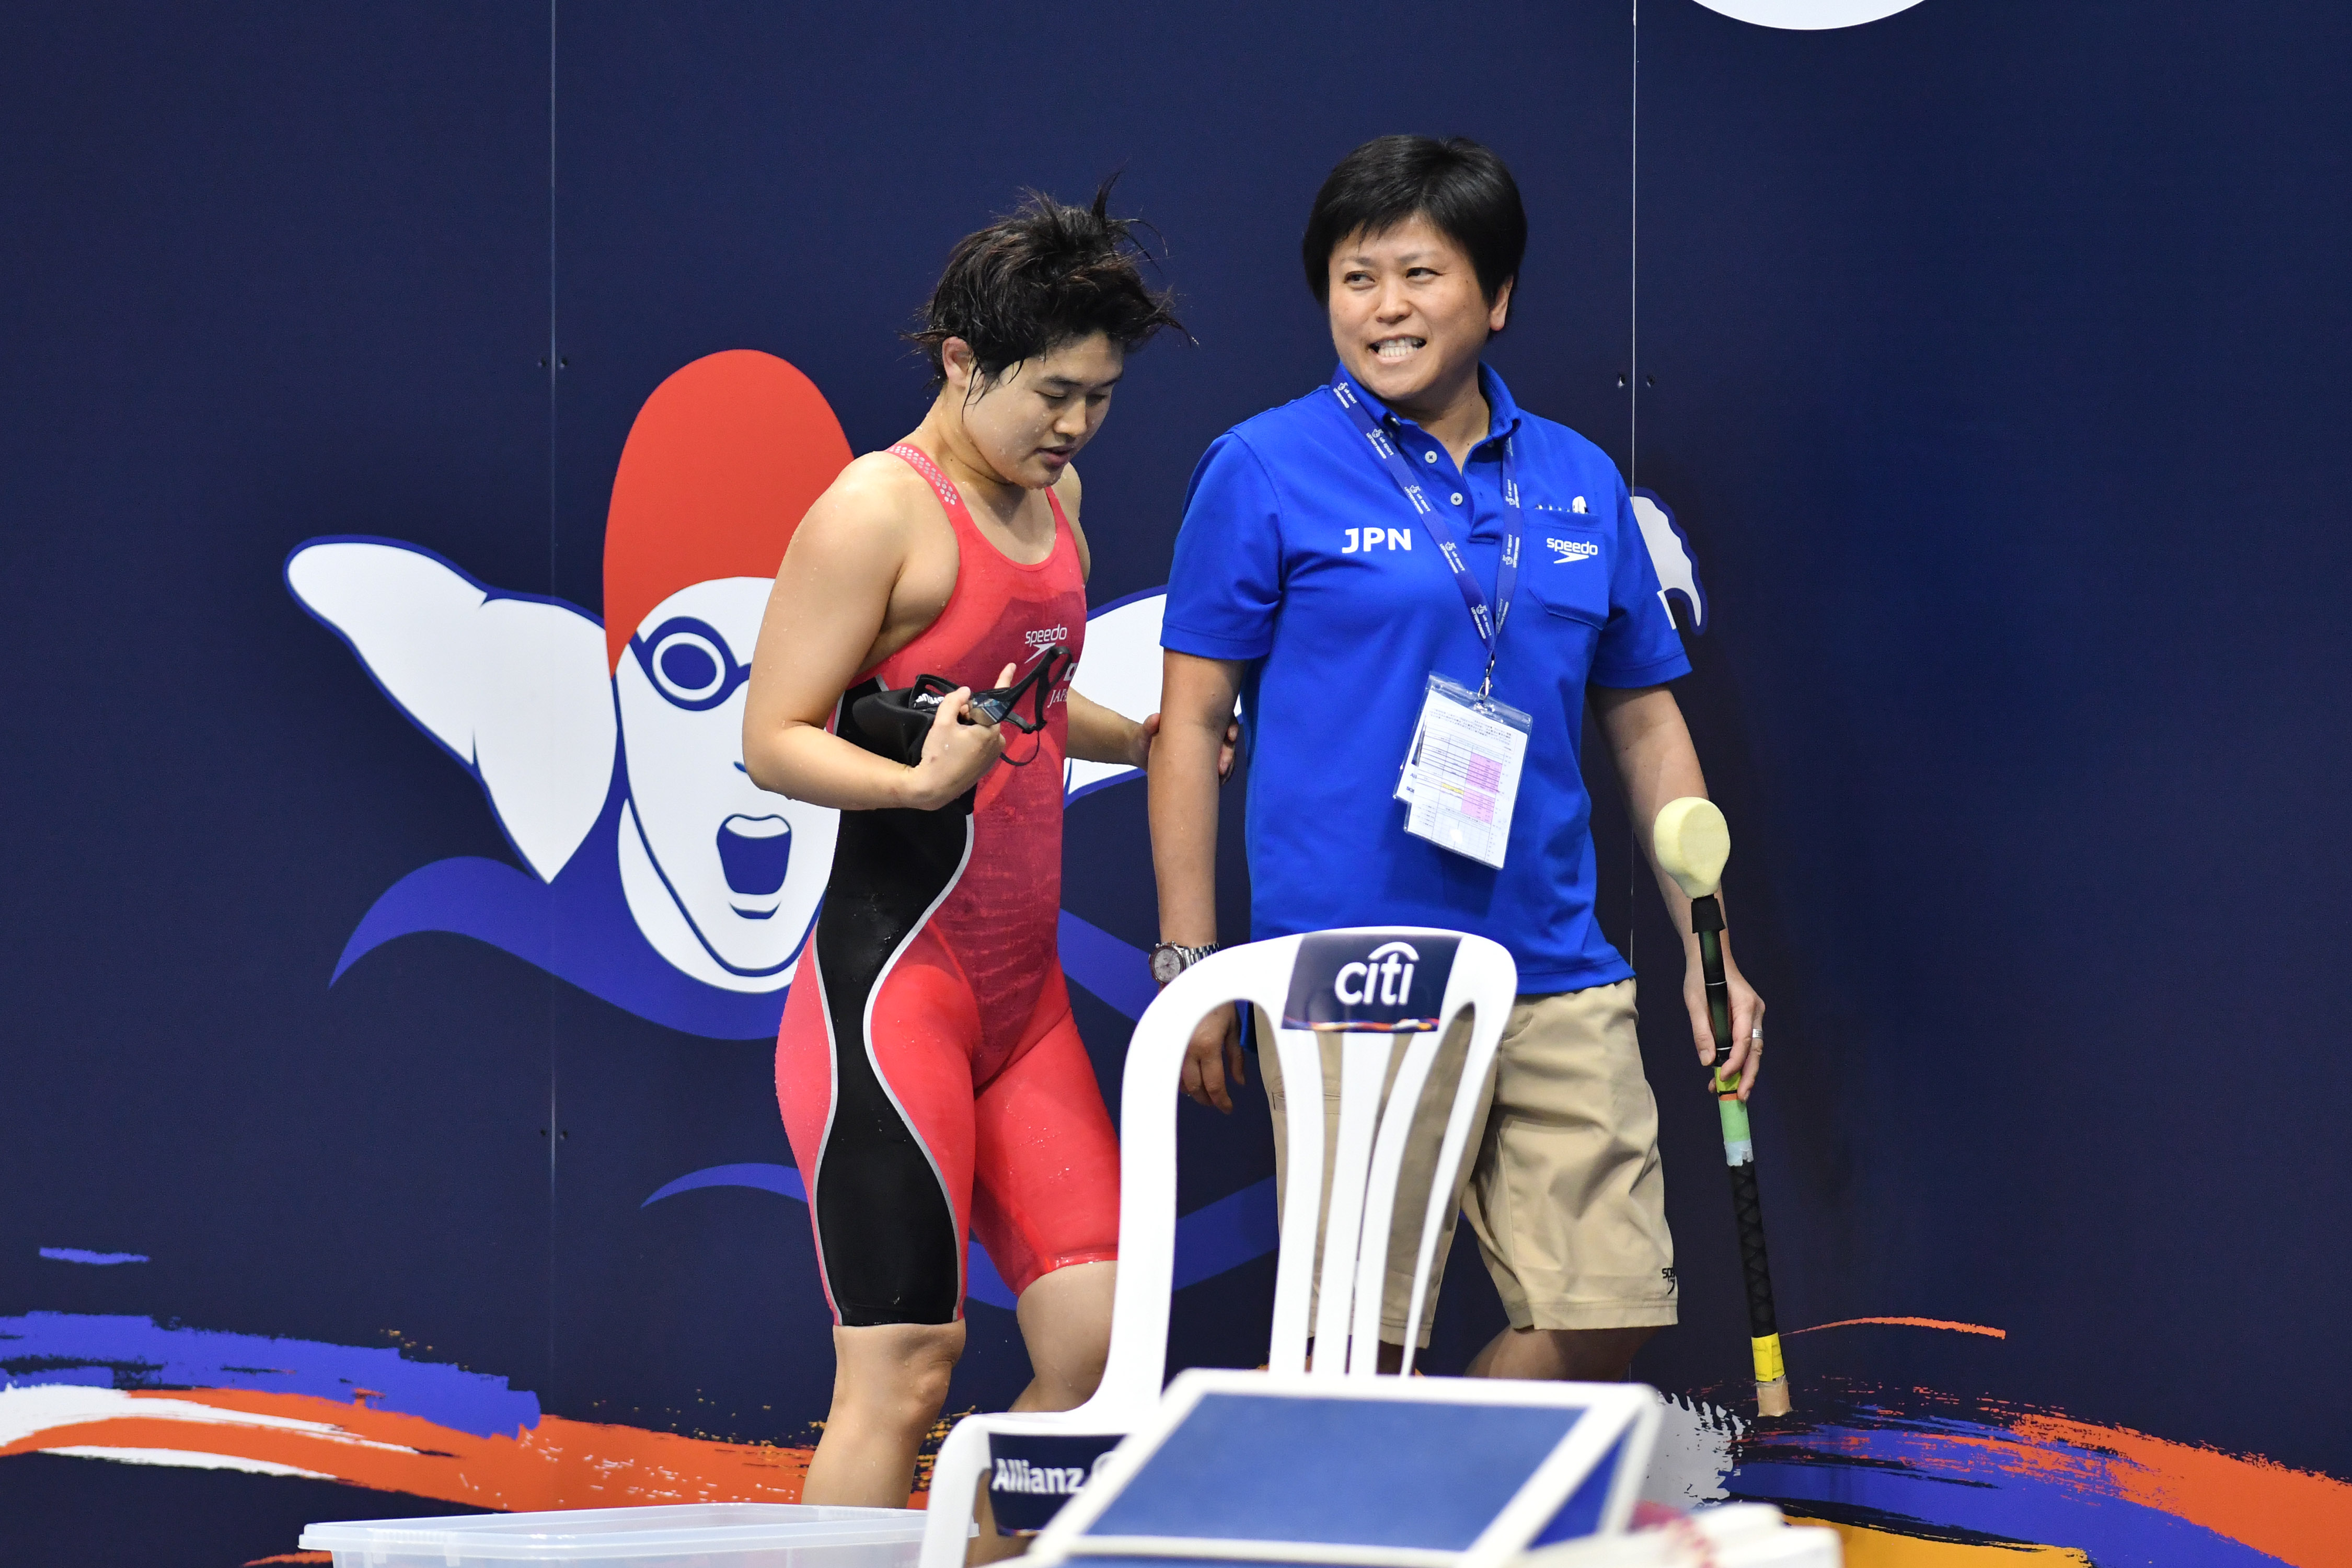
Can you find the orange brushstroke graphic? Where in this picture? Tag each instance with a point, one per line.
(1866, 1548)
(2293, 1515)
(1910, 1323)
(559, 1463)
(1998, 1447)
(1990, 1447)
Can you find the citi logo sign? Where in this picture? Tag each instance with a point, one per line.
(1047, 1481)
(1397, 987)
(1363, 538)
(1567, 550)
(1385, 977)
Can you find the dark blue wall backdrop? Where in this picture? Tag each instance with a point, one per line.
(1991, 356)
(1999, 358)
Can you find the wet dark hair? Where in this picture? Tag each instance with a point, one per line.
(1462, 189)
(1039, 278)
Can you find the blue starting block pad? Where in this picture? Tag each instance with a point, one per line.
(1424, 1472)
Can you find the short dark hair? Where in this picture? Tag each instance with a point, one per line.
(1458, 185)
(1041, 277)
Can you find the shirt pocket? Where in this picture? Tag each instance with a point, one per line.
(1565, 571)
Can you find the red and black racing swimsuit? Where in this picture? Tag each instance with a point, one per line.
(932, 1080)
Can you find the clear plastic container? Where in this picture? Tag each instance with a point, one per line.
(680, 1535)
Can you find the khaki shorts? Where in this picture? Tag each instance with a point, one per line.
(1565, 1193)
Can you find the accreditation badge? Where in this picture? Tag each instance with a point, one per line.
(1462, 772)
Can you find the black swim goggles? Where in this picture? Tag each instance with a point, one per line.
(897, 721)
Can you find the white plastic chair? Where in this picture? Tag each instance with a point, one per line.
(1305, 985)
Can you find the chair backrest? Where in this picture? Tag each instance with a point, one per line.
(1368, 985)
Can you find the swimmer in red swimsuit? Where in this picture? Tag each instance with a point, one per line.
(932, 1082)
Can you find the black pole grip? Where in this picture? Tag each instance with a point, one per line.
(1706, 923)
(1747, 1211)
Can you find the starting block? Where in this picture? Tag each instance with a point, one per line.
(1359, 1472)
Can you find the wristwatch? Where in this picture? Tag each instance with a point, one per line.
(1169, 959)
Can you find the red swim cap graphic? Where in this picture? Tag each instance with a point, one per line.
(723, 459)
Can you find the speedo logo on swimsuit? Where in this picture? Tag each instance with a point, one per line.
(1369, 982)
(1567, 550)
(1021, 1476)
(1039, 641)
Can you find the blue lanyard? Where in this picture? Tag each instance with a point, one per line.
(1488, 622)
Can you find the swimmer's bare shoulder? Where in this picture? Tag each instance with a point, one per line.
(872, 563)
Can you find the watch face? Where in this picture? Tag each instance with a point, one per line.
(1167, 964)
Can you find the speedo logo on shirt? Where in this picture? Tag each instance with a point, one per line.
(1039, 641)
(1567, 550)
(1052, 1480)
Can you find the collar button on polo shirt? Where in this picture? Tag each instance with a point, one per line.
(1300, 558)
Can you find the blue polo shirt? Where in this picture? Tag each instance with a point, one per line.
(1299, 556)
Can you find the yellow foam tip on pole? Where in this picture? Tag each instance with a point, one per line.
(1691, 841)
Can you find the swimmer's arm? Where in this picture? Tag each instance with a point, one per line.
(828, 608)
(1098, 734)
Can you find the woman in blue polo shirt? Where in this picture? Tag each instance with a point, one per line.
(1333, 560)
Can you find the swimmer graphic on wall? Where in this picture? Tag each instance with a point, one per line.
(658, 875)
(654, 873)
